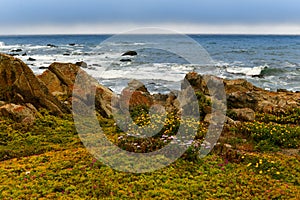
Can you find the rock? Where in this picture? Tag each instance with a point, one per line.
(245, 114)
(130, 53)
(138, 86)
(66, 54)
(43, 67)
(31, 59)
(51, 45)
(125, 60)
(231, 122)
(24, 114)
(82, 64)
(72, 44)
(2, 103)
(24, 54)
(14, 54)
(208, 118)
(16, 50)
(136, 94)
(60, 79)
(282, 90)
(19, 85)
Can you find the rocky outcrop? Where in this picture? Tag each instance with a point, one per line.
(60, 79)
(242, 94)
(18, 85)
(21, 90)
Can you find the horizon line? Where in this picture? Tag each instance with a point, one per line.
(180, 28)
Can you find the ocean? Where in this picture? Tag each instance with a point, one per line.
(268, 61)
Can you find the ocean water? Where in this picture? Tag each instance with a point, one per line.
(268, 61)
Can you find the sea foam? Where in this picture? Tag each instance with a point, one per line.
(248, 71)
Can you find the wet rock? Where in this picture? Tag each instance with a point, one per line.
(72, 44)
(16, 50)
(31, 59)
(130, 53)
(14, 54)
(125, 60)
(51, 45)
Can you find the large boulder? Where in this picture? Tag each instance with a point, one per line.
(19, 85)
(60, 79)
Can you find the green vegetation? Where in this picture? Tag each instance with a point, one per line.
(47, 160)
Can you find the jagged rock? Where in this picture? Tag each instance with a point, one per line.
(60, 79)
(24, 114)
(130, 53)
(242, 94)
(19, 85)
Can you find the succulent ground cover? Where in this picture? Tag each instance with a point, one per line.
(46, 160)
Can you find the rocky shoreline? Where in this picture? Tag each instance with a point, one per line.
(22, 93)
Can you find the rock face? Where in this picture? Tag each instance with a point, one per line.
(242, 94)
(60, 79)
(24, 114)
(19, 85)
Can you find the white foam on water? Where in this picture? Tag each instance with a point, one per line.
(248, 71)
(2, 44)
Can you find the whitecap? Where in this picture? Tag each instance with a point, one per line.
(248, 71)
(2, 44)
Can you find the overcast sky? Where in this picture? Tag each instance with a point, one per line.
(111, 16)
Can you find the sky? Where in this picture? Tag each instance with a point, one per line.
(115, 16)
